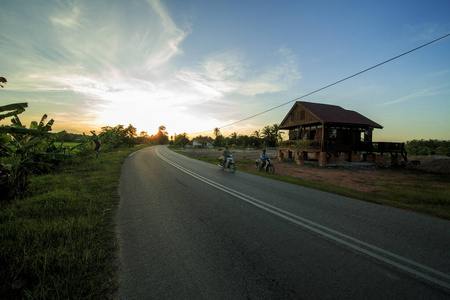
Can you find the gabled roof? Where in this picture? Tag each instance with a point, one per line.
(204, 140)
(328, 113)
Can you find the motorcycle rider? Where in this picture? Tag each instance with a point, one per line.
(263, 158)
(225, 154)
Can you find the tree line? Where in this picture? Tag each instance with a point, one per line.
(428, 147)
(269, 136)
(114, 137)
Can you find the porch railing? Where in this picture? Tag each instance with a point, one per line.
(331, 146)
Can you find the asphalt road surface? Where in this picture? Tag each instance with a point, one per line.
(188, 230)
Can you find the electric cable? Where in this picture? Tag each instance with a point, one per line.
(332, 84)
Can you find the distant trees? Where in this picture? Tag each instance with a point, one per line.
(219, 141)
(70, 137)
(269, 136)
(143, 138)
(118, 136)
(162, 137)
(216, 131)
(180, 140)
(428, 147)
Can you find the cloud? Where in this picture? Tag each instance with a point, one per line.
(276, 76)
(119, 65)
(171, 37)
(232, 72)
(69, 17)
(433, 91)
(425, 31)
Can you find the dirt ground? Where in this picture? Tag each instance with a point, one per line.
(356, 177)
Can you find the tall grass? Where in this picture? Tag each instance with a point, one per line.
(59, 242)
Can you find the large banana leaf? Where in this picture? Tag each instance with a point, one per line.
(20, 130)
(12, 109)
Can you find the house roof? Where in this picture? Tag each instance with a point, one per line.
(202, 140)
(328, 113)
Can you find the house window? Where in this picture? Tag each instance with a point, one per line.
(332, 133)
(302, 115)
(293, 116)
(367, 136)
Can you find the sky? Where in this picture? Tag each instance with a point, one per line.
(194, 65)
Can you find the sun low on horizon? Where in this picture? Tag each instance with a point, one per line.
(194, 66)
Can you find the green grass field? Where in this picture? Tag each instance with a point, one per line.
(71, 144)
(59, 242)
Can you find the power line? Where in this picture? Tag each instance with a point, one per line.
(334, 83)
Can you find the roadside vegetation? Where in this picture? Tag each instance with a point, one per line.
(58, 240)
(59, 194)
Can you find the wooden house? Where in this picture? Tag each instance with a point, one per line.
(202, 142)
(334, 135)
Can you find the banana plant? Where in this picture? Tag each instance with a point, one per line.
(12, 110)
(25, 151)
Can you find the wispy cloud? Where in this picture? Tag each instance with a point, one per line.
(170, 36)
(275, 77)
(426, 31)
(433, 91)
(232, 72)
(69, 17)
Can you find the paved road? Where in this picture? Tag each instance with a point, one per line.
(190, 231)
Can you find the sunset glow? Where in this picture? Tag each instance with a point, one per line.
(193, 66)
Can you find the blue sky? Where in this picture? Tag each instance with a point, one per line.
(196, 65)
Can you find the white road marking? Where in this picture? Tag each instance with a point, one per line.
(373, 251)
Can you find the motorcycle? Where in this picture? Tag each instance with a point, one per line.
(229, 164)
(268, 167)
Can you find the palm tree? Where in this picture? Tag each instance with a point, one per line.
(277, 133)
(256, 134)
(217, 131)
(233, 138)
(266, 133)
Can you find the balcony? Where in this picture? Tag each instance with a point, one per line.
(333, 146)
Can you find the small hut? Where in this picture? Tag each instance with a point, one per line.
(334, 135)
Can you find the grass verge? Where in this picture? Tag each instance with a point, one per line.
(59, 242)
(429, 194)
